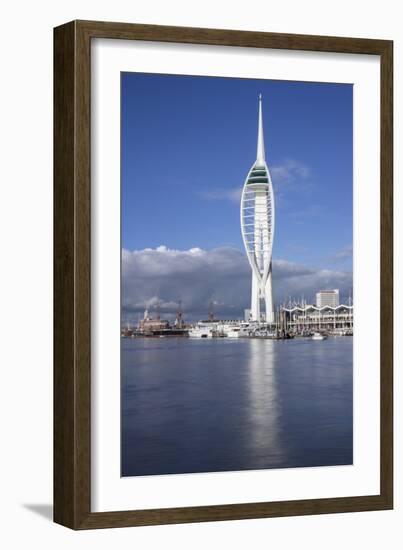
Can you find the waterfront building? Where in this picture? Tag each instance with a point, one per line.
(327, 298)
(303, 318)
(257, 226)
(246, 315)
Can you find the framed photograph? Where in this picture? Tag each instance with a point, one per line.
(222, 275)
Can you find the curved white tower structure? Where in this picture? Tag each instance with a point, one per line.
(257, 225)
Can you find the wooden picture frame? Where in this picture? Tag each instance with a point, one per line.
(72, 270)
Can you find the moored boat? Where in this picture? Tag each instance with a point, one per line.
(201, 331)
(318, 336)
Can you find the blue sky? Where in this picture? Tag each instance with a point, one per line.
(188, 143)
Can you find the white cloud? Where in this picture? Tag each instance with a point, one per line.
(344, 254)
(232, 195)
(290, 177)
(222, 275)
(288, 171)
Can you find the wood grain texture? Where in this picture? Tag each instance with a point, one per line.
(64, 382)
(72, 259)
(387, 273)
(72, 274)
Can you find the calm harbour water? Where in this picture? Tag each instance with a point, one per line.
(235, 404)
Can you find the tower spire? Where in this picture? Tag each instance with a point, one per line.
(260, 158)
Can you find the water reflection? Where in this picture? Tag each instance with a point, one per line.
(264, 444)
(224, 405)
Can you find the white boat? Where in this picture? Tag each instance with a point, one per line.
(201, 331)
(233, 332)
(318, 336)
